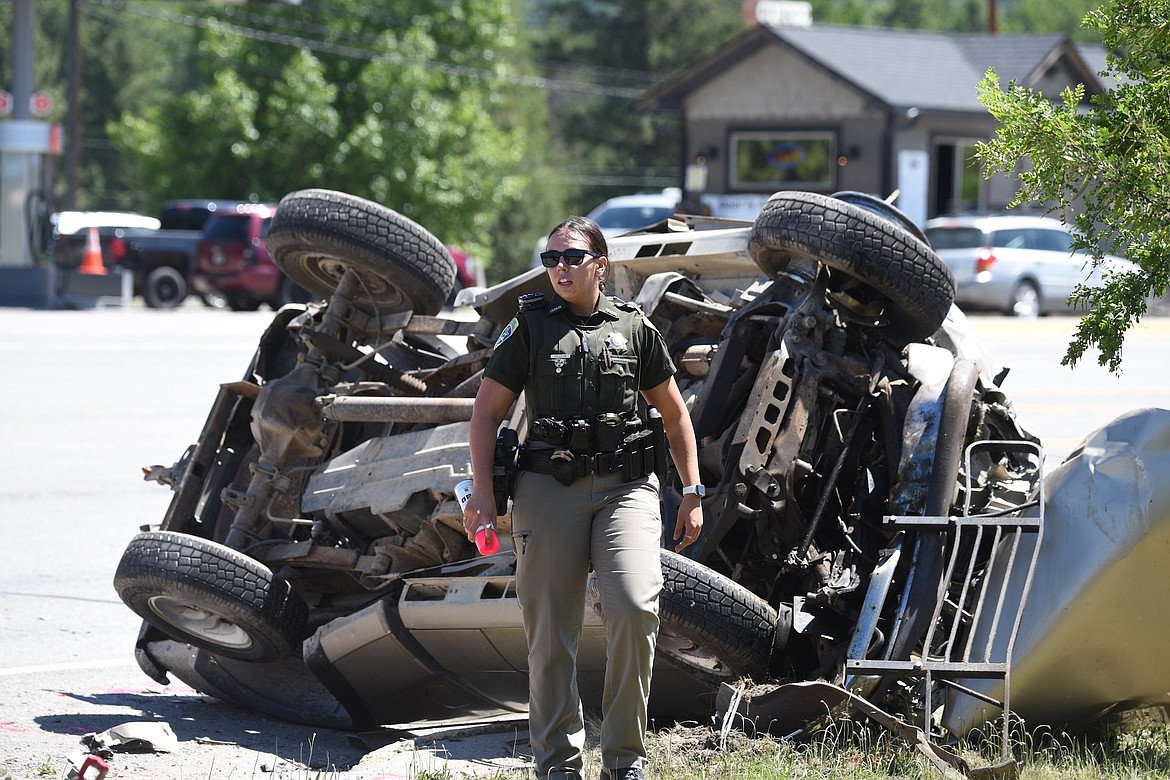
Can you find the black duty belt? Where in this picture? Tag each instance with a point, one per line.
(568, 466)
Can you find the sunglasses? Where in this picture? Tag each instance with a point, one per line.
(551, 258)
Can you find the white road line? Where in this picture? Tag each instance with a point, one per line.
(67, 667)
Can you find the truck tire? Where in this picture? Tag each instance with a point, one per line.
(317, 235)
(712, 625)
(882, 209)
(867, 246)
(210, 596)
(165, 288)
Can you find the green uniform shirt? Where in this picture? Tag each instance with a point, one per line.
(571, 366)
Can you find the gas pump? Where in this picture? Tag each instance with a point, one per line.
(27, 148)
(26, 151)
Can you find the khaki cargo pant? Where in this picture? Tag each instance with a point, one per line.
(558, 531)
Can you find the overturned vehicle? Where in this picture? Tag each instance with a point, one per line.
(873, 513)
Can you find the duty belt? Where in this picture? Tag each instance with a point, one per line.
(568, 466)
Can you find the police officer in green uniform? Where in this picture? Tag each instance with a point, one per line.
(585, 495)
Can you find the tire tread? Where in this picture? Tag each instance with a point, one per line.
(739, 624)
(163, 561)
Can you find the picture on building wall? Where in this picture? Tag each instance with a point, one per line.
(767, 159)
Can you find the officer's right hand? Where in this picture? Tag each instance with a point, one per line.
(480, 510)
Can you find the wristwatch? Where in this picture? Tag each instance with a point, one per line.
(694, 490)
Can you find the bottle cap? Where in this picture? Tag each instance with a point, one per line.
(486, 540)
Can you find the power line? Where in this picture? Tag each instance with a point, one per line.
(370, 55)
(599, 74)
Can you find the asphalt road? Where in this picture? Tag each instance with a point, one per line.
(1061, 405)
(93, 396)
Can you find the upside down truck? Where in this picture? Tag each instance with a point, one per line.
(877, 518)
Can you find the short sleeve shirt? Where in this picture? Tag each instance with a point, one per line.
(572, 366)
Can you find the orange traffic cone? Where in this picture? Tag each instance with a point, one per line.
(91, 259)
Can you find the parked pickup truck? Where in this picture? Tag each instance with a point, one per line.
(162, 260)
(232, 261)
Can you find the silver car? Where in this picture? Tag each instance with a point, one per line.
(1019, 265)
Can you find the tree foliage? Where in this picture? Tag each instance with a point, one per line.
(409, 104)
(1045, 16)
(485, 120)
(126, 64)
(1109, 166)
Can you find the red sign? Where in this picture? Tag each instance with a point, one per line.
(40, 104)
(5, 103)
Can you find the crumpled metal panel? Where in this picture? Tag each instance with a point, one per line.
(381, 474)
(1093, 636)
(931, 366)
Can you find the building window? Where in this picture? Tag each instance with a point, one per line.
(763, 160)
(960, 183)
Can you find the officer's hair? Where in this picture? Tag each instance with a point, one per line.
(586, 229)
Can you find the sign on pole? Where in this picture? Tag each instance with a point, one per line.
(40, 104)
(5, 102)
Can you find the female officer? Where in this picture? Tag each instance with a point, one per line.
(582, 359)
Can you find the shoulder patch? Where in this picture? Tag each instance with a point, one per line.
(508, 330)
(533, 300)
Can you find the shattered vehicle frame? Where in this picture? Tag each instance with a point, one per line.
(312, 563)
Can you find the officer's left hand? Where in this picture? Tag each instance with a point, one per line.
(690, 522)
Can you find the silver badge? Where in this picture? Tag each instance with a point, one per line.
(617, 342)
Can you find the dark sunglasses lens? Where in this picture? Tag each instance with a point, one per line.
(572, 257)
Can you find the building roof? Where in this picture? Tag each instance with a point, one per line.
(930, 71)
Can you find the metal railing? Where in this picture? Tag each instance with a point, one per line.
(981, 595)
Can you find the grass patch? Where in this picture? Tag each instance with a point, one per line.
(862, 751)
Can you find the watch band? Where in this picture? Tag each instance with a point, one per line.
(694, 490)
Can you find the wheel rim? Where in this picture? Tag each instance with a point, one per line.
(200, 622)
(1026, 303)
(691, 654)
(376, 286)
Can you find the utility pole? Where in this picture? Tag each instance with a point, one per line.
(992, 21)
(73, 103)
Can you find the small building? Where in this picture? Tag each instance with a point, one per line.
(827, 108)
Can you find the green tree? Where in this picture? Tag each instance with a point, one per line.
(1109, 166)
(410, 104)
(916, 14)
(682, 33)
(855, 12)
(599, 57)
(1045, 16)
(128, 62)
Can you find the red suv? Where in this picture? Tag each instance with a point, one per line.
(232, 262)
